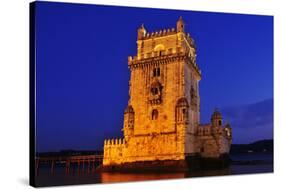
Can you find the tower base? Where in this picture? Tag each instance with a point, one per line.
(190, 163)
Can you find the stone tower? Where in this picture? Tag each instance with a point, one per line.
(164, 91)
(163, 113)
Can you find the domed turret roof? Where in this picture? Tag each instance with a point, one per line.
(216, 114)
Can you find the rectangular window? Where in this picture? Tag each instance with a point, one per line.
(154, 72)
(158, 71)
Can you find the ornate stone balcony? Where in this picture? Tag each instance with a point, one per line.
(155, 99)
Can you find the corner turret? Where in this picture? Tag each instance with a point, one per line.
(141, 32)
(129, 117)
(216, 119)
(180, 25)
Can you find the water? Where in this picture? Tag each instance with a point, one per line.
(242, 164)
(252, 163)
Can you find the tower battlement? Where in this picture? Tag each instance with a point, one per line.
(159, 33)
(114, 142)
(165, 44)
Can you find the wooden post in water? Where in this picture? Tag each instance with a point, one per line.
(71, 170)
(78, 167)
(37, 165)
(89, 165)
(52, 167)
(67, 164)
(83, 166)
(93, 165)
(73, 166)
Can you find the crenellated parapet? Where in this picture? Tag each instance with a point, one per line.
(167, 32)
(208, 130)
(159, 33)
(164, 46)
(114, 142)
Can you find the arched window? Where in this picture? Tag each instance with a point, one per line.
(159, 47)
(182, 110)
(154, 114)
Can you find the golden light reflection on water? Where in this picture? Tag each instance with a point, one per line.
(110, 177)
(127, 177)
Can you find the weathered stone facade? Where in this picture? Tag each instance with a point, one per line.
(162, 119)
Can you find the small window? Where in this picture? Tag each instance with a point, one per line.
(156, 72)
(161, 53)
(219, 122)
(154, 115)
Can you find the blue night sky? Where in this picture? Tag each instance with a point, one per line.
(82, 73)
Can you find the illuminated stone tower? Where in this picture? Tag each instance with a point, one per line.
(162, 117)
(164, 92)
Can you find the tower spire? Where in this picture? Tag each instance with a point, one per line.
(180, 24)
(141, 31)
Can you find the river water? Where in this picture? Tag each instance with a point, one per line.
(242, 164)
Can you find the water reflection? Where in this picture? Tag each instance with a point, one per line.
(127, 177)
(84, 176)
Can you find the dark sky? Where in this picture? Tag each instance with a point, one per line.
(82, 73)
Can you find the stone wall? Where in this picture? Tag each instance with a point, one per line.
(213, 141)
(144, 148)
